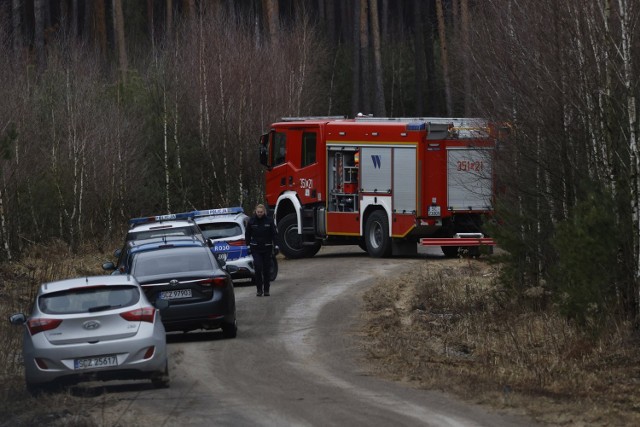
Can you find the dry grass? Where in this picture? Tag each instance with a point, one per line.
(19, 281)
(449, 327)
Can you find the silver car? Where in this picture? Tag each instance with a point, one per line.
(92, 328)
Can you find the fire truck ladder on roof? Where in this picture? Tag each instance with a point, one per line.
(300, 119)
(456, 127)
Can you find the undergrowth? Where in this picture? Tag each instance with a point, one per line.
(451, 326)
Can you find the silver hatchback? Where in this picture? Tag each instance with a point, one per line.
(92, 328)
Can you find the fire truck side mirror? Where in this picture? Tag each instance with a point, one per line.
(264, 150)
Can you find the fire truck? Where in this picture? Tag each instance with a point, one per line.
(385, 184)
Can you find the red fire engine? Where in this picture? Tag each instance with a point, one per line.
(385, 184)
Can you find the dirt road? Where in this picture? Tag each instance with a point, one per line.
(295, 362)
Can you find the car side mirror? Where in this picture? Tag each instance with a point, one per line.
(108, 266)
(18, 319)
(231, 269)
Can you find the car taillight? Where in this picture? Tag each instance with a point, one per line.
(237, 243)
(145, 314)
(41, 325)
(216, 282)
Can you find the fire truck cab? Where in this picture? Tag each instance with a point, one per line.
(385, 184)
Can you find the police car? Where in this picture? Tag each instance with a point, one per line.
(181, 224)
(224, 230)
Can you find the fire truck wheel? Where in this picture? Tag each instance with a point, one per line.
(450, 251)
(377, 235)
(292, 244)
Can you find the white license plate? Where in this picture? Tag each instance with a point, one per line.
(176, 294)
(433, 211)
(96, 362)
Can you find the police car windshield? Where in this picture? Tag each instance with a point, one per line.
(220, 230)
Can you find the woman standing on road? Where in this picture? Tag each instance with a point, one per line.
(261, 236)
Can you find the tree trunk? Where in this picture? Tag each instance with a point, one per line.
(331, 21)
(169, 20)
(365, 72)
(118, 23)
(444, 57)
(464, 13)
(74, 19)
(385, 20)
(355, 71)
(150, 24)
(419, 57)
(272, 19)
(190, 9)
(3, 228)
(100, 26)
(38, 12)
(165, 140)
(16, 20)
(379, 108)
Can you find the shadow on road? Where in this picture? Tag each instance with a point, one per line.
(194, 336)
(90, 390)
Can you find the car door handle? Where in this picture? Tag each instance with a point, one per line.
(290, 181)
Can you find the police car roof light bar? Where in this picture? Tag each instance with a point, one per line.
(219, 211)
(160, 218)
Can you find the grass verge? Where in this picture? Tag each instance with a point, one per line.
(449, 326)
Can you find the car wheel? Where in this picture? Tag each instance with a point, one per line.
(161, 379)
(274, 268)
(377, 235)
(230, 330)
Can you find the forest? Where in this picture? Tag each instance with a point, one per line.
(111, 109)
